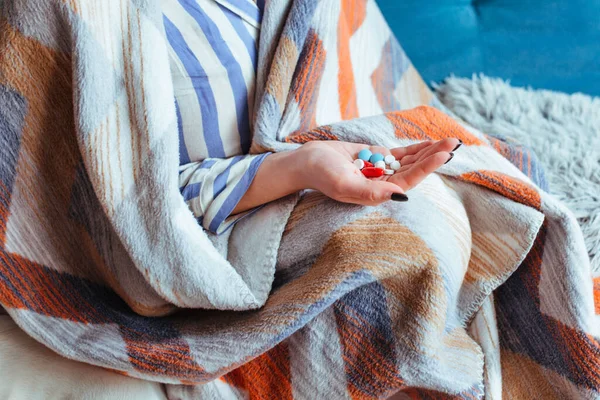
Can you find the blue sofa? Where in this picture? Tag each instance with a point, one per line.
(543, 44)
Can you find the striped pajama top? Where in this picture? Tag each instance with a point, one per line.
(213, 56)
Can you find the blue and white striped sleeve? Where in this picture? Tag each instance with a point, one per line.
(212, 188)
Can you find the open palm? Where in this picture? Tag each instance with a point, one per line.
(341, 180)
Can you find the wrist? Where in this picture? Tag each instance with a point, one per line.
(288, 169)
(299, 169)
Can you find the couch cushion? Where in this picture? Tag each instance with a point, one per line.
(545, 44)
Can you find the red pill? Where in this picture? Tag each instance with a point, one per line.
(371, 172)
(368, 164)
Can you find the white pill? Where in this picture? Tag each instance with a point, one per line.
(395, 165)
(360, 164)
(389, 159)
(379, 164)
(388, 172)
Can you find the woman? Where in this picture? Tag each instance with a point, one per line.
(306, 299)
(213, 56)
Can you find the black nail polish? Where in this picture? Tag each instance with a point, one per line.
(458, 145)
(451, 157)
(399, 197)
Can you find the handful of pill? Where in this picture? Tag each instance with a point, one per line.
(376, 165)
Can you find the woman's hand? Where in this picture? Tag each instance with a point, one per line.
(329, 169)
(327, 166)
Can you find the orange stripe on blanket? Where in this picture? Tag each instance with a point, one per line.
(170, 354)
(426, 122)
(507, 186)
(4, 212)
(266, 377)
(352, 16)
(320, 133)
(27, 285)
(576, 348)
(307, 79)
(43, 77)
(597, 294)
(355, 13)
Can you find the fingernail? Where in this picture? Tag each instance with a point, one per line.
(399, 197)
(451, 157)
(458, 145)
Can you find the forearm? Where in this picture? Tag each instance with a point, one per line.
(327, 166)
(213, 188)
(279, 175)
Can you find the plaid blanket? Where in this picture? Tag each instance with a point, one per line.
(478, 286)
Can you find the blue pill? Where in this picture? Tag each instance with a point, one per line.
(365, 154)
(376, 157)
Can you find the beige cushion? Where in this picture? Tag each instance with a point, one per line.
(30, 371)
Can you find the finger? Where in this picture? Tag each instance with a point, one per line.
(369, 192)
(400, 152)
(445, 145)
(407, 166)
(419, 171)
